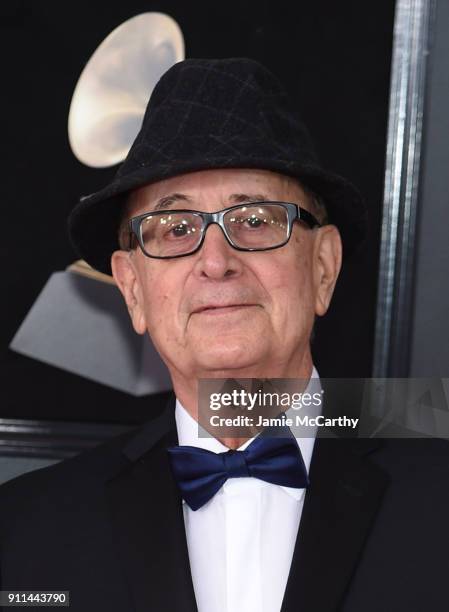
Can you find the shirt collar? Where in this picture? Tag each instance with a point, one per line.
(188, 434)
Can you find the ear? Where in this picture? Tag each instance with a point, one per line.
(127, 280)
(327, 264)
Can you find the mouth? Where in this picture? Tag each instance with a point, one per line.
(219, 309)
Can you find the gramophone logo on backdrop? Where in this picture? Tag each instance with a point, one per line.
(79, 322)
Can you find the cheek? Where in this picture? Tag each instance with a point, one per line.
(292, 289)
(160, 294)
(157, 304)
(302, 266)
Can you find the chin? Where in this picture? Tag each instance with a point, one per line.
(235, 356)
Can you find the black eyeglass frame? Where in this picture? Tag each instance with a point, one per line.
(294, 213)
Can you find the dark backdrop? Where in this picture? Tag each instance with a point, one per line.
(334, 57)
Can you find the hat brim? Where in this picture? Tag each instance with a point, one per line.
(94, 222)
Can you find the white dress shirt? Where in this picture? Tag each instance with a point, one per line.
(241, 542)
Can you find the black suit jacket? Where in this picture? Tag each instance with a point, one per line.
(108, 526)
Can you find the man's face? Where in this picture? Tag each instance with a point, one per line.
(222, 311)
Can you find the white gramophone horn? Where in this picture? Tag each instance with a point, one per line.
(111, 95)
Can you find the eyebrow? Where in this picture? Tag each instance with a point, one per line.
(248, 197)
(235, 198)
(168, 200)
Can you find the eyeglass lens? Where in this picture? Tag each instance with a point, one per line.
(255, 226)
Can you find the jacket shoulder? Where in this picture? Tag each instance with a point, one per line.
(402, 455)
(61, 487)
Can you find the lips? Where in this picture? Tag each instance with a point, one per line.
(217, 308)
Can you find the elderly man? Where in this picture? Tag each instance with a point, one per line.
(225, 238)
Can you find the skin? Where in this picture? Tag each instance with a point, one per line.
(225, 313)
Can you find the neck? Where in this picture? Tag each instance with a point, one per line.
(186, 389)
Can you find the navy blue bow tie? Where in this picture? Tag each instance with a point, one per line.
(201, 473)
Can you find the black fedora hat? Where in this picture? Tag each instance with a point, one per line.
(205, 114)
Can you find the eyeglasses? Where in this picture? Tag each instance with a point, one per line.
(254, 226)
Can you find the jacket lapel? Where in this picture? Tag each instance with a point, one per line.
(147, 515)
(341, 502)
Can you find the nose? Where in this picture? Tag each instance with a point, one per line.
(217, 259)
